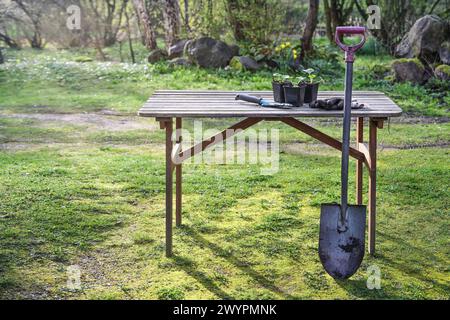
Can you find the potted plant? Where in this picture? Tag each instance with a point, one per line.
(280, 81)
(295, 94)
(312, 85)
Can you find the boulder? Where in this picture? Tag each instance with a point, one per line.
(444, 52)
(244, 63)
(411, 70)
(208, 53)
(424, 39)
(180, 62)
(235, 49)
(443, 72)
(177, 49)
(157, 55)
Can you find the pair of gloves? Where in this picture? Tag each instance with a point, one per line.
(334, 104)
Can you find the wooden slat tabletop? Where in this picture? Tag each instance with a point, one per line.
(221, 104)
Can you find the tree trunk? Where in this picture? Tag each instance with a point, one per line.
(109, 38)
(1, 56)
(334, 13)
(130, 42)
(310, 28)
(172, 23)
(9, 41)
(36, 41)
(328, 25)
(340, 11)
(149, 32)
(233, 18)
(186, 16)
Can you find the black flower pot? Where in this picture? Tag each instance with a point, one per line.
(278, 92)
(311, 92)
(295, 95)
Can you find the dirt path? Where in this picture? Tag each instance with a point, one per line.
(100, 121)
(116, 122)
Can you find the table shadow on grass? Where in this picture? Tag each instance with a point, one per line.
(190, 268)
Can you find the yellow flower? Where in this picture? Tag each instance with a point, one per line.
(288, 44)
(283, 46)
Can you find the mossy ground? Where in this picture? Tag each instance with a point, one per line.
(92, 195)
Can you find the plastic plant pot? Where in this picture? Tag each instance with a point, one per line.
(295, 95)
(311, 92)
(278, 92)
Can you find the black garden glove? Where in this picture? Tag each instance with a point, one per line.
(334, 104)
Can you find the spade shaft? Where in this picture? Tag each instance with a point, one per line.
(346, 140)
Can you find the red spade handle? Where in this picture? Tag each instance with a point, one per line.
(350, 50)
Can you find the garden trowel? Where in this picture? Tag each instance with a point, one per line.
(342, 227)
(263, 102)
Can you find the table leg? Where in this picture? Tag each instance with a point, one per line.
(372, 184)
(169, 181)
(360, 163)
(178, 176)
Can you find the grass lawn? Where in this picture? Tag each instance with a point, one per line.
(82, 183)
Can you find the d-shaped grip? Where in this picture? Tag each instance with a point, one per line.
(350, 50)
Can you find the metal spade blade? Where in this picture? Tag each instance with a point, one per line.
(341, 247)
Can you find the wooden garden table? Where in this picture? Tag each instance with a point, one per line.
(167, 105)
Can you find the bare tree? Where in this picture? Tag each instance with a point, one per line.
(30, 20)
(107, 17)
(172, 21)
(147, 24)
(6, 18)
(337, 13)
(310, 28)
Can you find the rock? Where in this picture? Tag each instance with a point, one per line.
(177, 49)
(424, 39)
(444, 52)
(208, 53)
(443, 72)
(235, 49)
(180, 62)
(411, 70)
(244, 63)
(157, 55)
